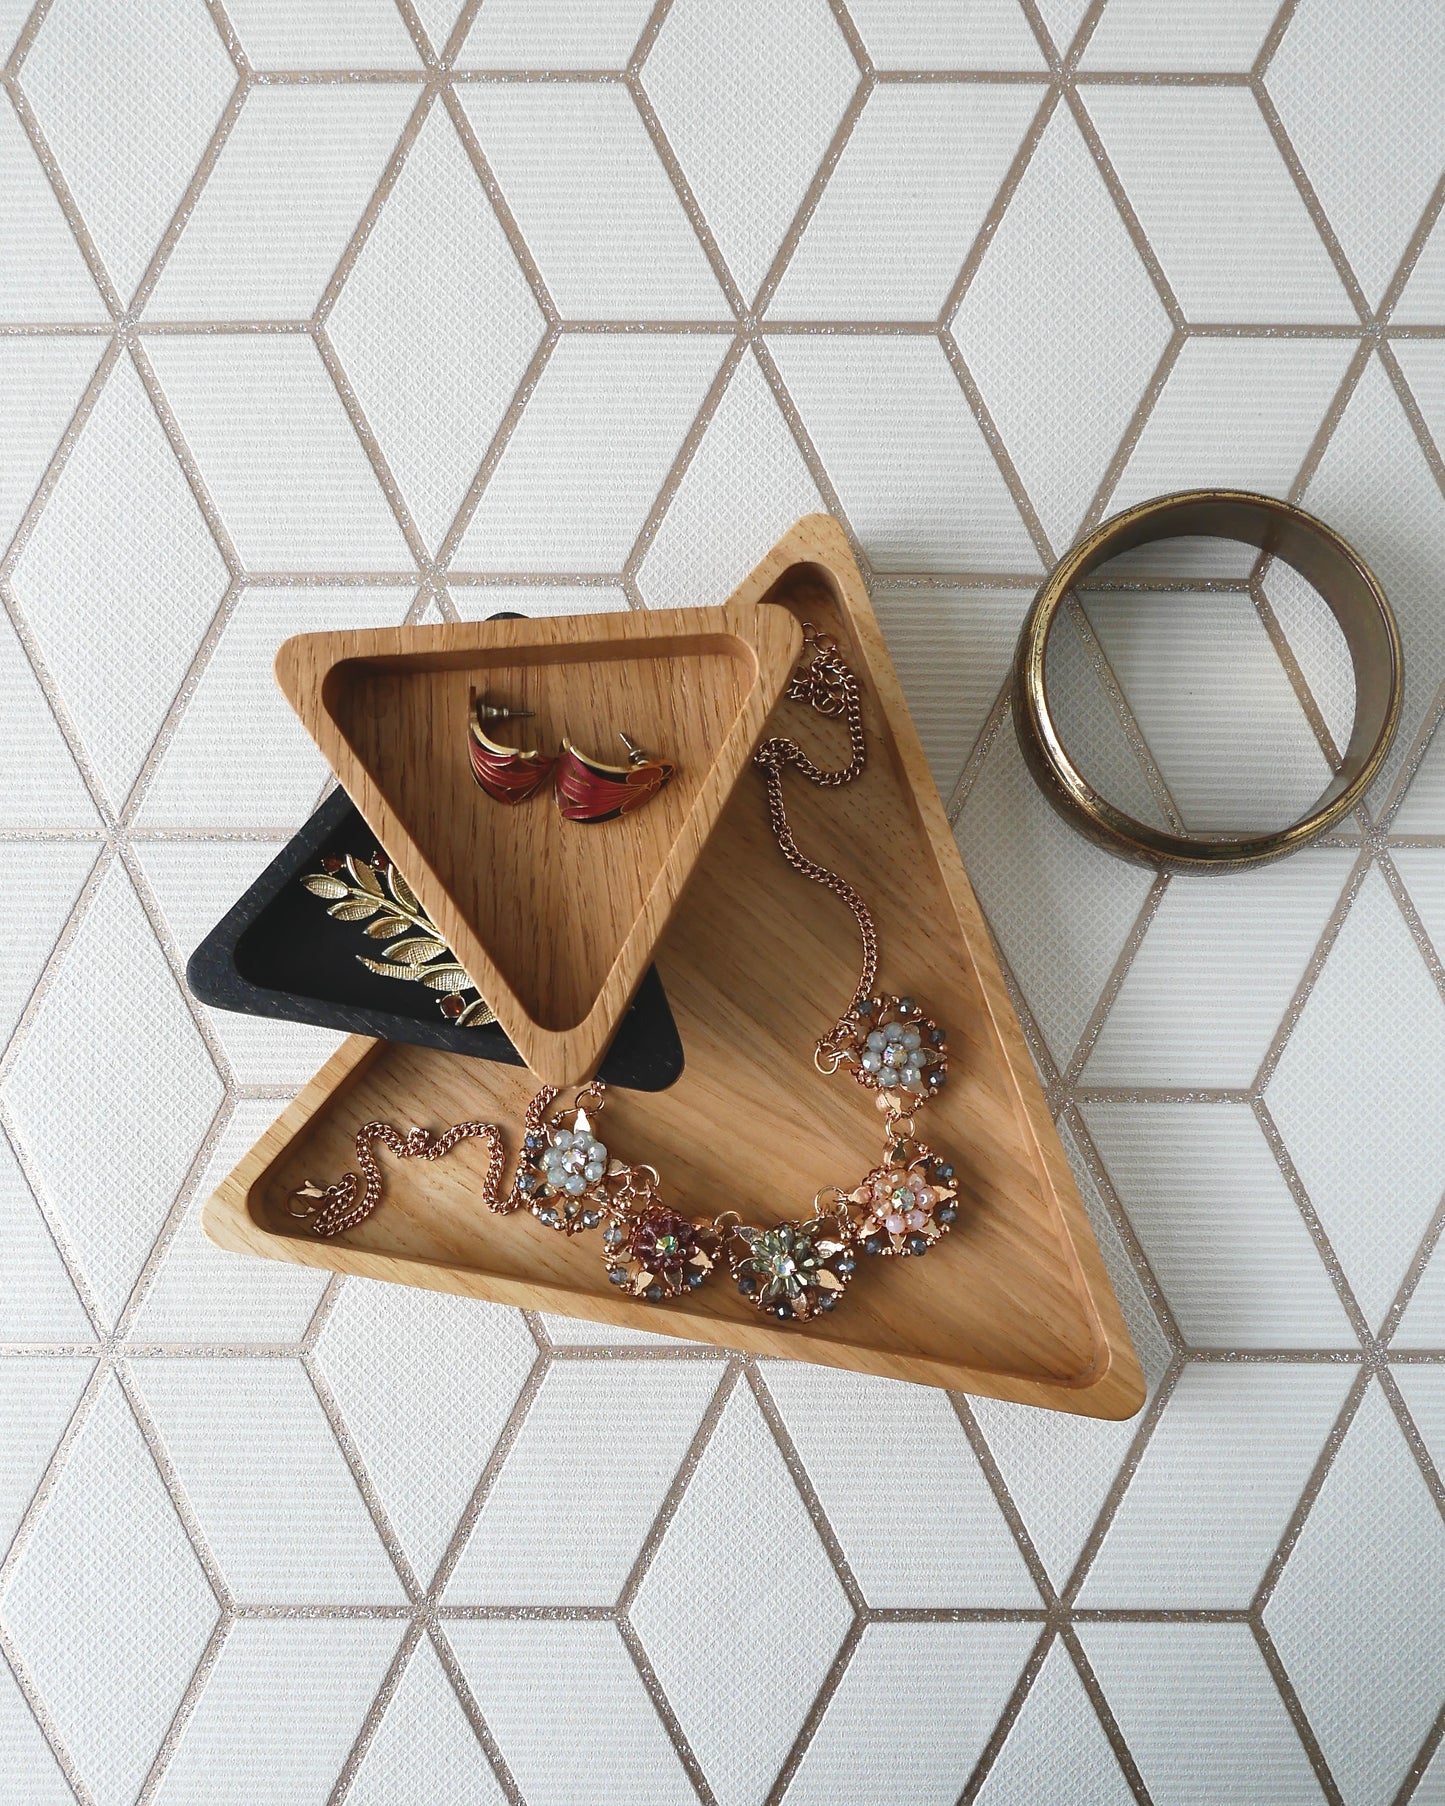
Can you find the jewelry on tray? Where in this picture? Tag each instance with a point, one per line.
(373, 891)
(506, 773)
(590, 791)
(572, 1181)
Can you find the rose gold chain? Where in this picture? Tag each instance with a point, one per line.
(353, 1197)
(827, 684)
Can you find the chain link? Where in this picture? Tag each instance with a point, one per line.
(828, 686)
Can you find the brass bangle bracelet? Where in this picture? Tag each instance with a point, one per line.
(1324, 560)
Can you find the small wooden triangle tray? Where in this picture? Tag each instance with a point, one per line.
(1014, 1303)
(554, 921)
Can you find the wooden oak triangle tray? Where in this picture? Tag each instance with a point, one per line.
(555, 921)
(1013, 1303)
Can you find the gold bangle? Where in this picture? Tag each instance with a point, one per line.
(1324, 560)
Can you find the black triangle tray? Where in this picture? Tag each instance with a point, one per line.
(276, 952)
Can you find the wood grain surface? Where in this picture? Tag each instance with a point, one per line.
(1014, 1303)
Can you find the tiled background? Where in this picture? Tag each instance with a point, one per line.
(345, 311)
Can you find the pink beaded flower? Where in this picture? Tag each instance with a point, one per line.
(904, 1209)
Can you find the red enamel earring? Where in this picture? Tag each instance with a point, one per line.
(506, 773)
(590, 791)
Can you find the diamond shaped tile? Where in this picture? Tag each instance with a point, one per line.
(1201, 1713)
(273, 775)
(1422, 301)
(425, 1384)
(594, 444)
(1358, 1096)
(281, 34)
(1158, 34)
(1058, 1468)
(546, 34)
(1061, 909)
(1424, 1390)
(436, 325)
(282, 202)
(277, 452)
(203, 1295)
(849, 1430)
(120, 580)
(931, 34)
(1062, 328)
(531, 1677)
(28, 1760)
(1056, 1748)
(274, 1498)
(237, 1732)
(1216, 1484)
(952, 648)
(596, 208)
(36, 1403)
(750, 96)
(1234, 413)
(925, 1737)
(128, 93)
(1062, 18)
(581, 1485)
(42, 273)
(41, 381)
(110, 1119)
(39, 1302)
(777, 1593)
(1356, 88)
(1375, 486)
(425, 1746)
(901, 211)
(1223, 1234)
(743, 488)
(39, 784)
(1214, 975)
(1363, 1583)
(42, 881)
(109, 1607)
(1217, 203)
(909, 461)
(1423, 1323)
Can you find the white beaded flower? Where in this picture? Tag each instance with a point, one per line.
(573, 1161)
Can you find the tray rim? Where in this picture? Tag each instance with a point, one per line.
(1110, 1387)
(770, 640)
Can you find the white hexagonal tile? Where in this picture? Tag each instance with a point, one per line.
(40, 786)
(594, 444)
(1217, 204)
(1215, 1487)
(208, 1297)
(743, 488)
(238, 1732)
(545, 34)
(909, 461)
(578, 170)
(917, 1702)
(1363, 1584)
(436, 325)
(282, 203)
(903, 207)
(37, 1401)
(271, 1491)
(109, 1607)
(746, 1640)
(531, 1676)
(39, 1303)
(1358, 88)
(425, 1745)
(1062, 328)
(1201, 1713)
(120, 580)
(1159, 35)
(1223, 1234)
(949, 1544)
(1214, 975)
(750, 96)
(110, 1119)
(425, 1384)
(1358, 1096)
(933, 34)
(567, 1515)
(41, 383)
(128, 93)
(42, 881)
(1061, 909)
(42, 273)
(277, 452)
(1056, 1748)
(281, 34)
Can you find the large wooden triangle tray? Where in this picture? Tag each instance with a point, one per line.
(554, 921)
(1014, 1303)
